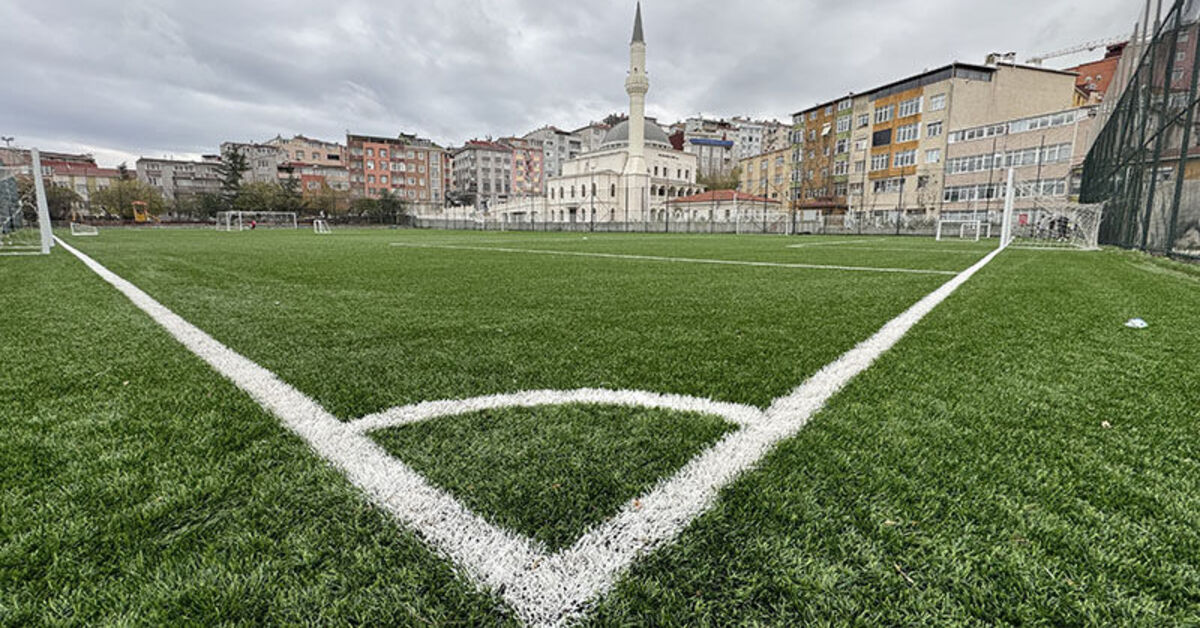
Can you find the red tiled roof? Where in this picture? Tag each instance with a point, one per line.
(723, 196)
(74, 169)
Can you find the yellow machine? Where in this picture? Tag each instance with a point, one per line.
(141, 213)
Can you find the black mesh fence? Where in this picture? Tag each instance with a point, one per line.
(1145, 162)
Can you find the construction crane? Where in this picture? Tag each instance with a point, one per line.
(1087, 47)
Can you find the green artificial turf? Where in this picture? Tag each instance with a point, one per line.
(550, 472)
(363, 326)
(137, 487)
(1021, 457)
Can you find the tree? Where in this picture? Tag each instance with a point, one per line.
(233, 166)
(364, 207)
(60, 199)
(389, 208)
(721, 182)
(123, 172)
(613, 119)
(289, 195)
(258, 197)
(117, 199)
(329, 201)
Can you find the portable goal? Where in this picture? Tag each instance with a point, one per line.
(244, 221)
(24, 215)
(80, 229)
(972, 228)
(321, 227)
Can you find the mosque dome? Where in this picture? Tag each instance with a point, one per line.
(619, 135)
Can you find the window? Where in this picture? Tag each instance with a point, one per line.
(882, 138)
(909, 108)
(812, 135)
(880, 161)
(888, 185)
(812, 115)
(841, 167)
(864, 119)
(316, 156)
(860, 167)
(845, 104)
(860, 145)
(299, 154)
(884, 114)
(843, 146)
(383, 153)
(370, 178)
(370, 152)
(933, 156)
(905, 158)
(908, 133)
(829, 110)
(843, 124)
(370, 164)
(933, 130)
(937, 102)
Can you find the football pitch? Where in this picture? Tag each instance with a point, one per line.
(451, 428)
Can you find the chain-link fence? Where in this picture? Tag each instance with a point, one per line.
(1145, 163)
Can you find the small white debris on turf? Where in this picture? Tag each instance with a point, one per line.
(1137, 323)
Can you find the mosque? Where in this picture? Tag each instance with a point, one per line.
(630, 178)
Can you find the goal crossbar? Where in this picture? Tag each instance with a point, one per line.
(245, 220)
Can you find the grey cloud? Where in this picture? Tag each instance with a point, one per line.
(178, 77)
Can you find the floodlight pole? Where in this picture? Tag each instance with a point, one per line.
(43, 210)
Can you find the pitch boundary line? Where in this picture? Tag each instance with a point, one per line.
(683, 260)
(542, 588)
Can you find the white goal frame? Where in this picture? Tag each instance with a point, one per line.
(1048, 222)
(240, 220)
(80, 229)
(13, 224)
(321, 227)
(982, 228)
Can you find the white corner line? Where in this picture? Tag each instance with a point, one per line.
(685, 260)
(543, 589)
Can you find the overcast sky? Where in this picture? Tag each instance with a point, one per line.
(140, 77)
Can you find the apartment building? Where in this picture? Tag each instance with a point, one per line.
(305, 150)
(768, 175)
(484, 170)
(591, 136)
(84, 179)
(528, 171)
(754, 137)
(176, 179)
(412, 168)
(885, 149)
(558, 146)
(264, 160)
(1042, 150)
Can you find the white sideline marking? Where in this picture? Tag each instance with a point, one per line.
(686, 260)
(803, 245)
(544, 589)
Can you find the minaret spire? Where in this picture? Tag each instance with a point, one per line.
(637, 25)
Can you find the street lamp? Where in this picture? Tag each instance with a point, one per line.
(592, 219)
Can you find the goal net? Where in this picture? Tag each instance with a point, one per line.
(24, 215)
(1034, 220)
(321, 227)
(80, 229)
(966, 229)
(245, 221)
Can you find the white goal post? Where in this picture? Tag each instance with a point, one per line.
(973, 228)
(321, 227)
(243, 221)
(80, 229)
(24, 214)
(1036, 221)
